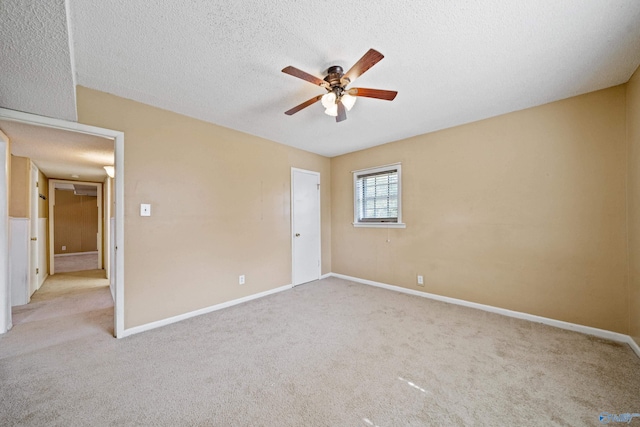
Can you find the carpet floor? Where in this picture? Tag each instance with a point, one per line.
(76, 262)
(328, 353)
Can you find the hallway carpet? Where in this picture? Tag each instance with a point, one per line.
(76, 262)
(328, 353)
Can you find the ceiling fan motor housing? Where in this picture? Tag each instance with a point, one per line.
(334, 75)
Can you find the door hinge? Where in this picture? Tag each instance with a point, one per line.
(37, 271)
(318, 186)
(37, 184)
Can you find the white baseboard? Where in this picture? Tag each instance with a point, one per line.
(174, 319)
(634, 346)
(601, 333)
(44, 277)
(76, 253)
(324, 276)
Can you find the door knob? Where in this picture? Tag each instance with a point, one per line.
(297, 234)
(34, 238)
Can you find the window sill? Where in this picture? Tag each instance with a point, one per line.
(380, 225)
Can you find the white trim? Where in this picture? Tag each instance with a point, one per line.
(389, 166)
(119, 240)
(293, 258)
(601, 333)
(13, 218)
(174, 319)
(634, 345)
(380, 225)
(106, 234)
(43, 278)
(5, 284)
(76, 253)
(118, 138)
(326, 276)
(46, 275)
(34, 119)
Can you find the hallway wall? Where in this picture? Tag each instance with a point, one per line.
(19, 192)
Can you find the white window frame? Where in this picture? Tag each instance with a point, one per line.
(378, 169)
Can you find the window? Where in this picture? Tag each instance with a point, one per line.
(377, 201)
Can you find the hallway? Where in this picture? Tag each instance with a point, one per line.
(67, 307)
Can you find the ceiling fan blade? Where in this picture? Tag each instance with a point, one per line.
(293, 71)
(387, 95)
(303, 105)
(371, 58)
(342, 113)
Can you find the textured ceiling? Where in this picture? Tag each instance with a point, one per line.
(59, 153)
(452, 62)
(35, 61)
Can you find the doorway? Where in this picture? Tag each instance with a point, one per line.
(305, 226)
(75, 226)
(118, 244)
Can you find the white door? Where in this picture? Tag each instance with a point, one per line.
(33, 246)
(305, 225)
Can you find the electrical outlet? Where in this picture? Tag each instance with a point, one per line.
(64, 248)
(241, 280)
(420, 281)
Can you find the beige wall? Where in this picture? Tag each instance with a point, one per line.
(524, 211)
(19, 203)
(76, 223)
(220, 204)
(633, 194)
(19, 197)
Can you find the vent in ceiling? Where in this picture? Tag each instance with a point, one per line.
(79, 189)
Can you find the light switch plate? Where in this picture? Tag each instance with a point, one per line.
(145, 209)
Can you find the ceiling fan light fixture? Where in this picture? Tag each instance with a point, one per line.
(348, 101)
(332, 110)
(329, 100)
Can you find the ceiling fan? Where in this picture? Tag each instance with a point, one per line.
(338, 99)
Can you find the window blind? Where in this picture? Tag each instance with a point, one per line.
(377, 196)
